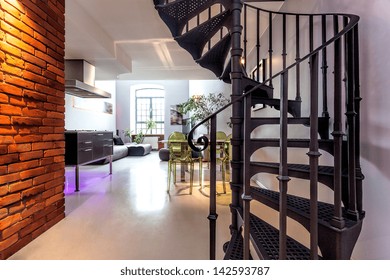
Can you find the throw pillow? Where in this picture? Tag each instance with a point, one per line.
(118, 140)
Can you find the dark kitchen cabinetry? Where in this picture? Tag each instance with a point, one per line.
(83, 147)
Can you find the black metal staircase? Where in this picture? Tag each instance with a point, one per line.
(209, 30)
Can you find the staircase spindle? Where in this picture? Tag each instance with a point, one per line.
(311, 34)
(351, 114)
(213, 188)
(264, 65)
(324, 67)
(209, 15)
(270, 50)
(258, 45)
(284, 35)
(245, 35)
(221, 32)
(358, 99)
(297, 58)
(246, 196)
(314, 156)
(283, 167)
(337, 220)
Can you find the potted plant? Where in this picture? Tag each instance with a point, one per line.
(139, 137)
(201, 106)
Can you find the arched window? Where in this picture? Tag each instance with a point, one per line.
(150, 104)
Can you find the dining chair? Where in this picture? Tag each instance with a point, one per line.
(222, 156)
(228, 152)
(181, 153)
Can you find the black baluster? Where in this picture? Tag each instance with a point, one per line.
(258, 46)
(246, 196)
(270, 50)
(325, 112)
(358, 99)
(351, 118)
(213, 189)
(298, 57)
(245, 35)
(283, 167)
(284, 51)
(314, 156)
(337, 220)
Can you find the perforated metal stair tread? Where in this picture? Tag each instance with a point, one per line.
(177, 14)
(215, 58)
(266, 239)
(196, 39)
(299, 205)
(235, 248)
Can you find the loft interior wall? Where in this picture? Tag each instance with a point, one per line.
(91, 117)
(32, 167)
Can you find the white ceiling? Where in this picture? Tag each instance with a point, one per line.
(126, 39)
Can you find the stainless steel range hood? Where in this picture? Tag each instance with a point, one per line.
(80, 80)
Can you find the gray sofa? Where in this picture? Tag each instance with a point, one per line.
(121, 150)
(138, 149)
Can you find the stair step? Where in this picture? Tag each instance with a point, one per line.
(325, 145)
(177, 14)
(225, 76)
(263, 91)
(302, 171)
(294, 106)
(215, 58)
(334, 243)
(266, 241)
(235, 247)
(196, 39)
(323, 123)
(299, 208)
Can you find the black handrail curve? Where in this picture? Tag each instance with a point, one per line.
(354, 19)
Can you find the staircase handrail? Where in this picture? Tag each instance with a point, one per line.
(354, 19)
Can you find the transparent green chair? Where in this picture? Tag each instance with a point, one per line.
(222, 156)
(181, 153)
(228, 152)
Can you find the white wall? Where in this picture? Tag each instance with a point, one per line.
(92, 118)
(374, 241)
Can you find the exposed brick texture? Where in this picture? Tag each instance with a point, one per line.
(32, 99)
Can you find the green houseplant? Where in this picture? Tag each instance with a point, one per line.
(139, 137)
(201, 106)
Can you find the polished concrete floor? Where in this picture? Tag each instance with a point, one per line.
(129, 215)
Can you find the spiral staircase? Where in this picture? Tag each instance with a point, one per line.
(239, 42)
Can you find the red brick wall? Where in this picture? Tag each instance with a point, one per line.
(32, 168)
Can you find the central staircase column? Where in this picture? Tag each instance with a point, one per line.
(237, 111)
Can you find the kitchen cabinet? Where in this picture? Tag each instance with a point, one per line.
(83, 147)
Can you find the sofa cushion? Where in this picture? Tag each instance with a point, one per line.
(138, 149)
